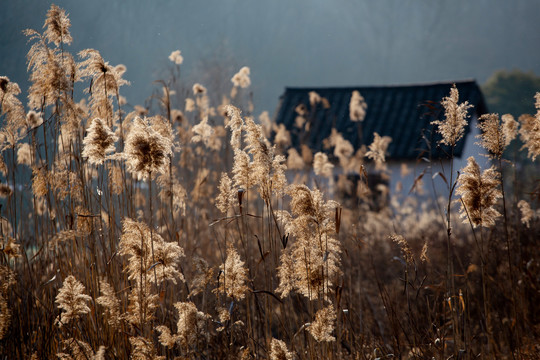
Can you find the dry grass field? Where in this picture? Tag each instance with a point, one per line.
(180, 231)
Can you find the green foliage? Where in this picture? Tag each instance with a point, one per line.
(511, 92)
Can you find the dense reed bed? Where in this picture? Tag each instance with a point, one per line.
(180, 230)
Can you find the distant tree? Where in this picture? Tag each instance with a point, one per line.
(511, 92)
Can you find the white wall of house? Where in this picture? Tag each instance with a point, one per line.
(433, 185)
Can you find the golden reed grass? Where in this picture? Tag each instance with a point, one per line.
(188, 229)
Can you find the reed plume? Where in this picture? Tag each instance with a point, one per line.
(530, 131)
(321, 165)
(322, 327)
(203, 276)
(404, 246)
(307, 154)
(24, 155)
(176, 57)
(57, 26)
(191, 327)
(357, 107)
(202, 132)
(267, 169)
(166, 338)
(266, 123)
(311, 264)
(52, 69)
(226, 196)
(111, 303)
(105, 84)
(190, 105)
(178, 116)
(294, 160)
(242, 170)
(527, 214)
(241, 78)
(314, 98)
(146, 150)
(509, 128)
(198, 89)
(279, 351)
(300, 121)
(72, 300)
(377, 150)
(33, 119)
(453, 127)
(80, 350)
(258, 163)
(424, 252)
(282, 137)
(98, 142)
(278, 180)
(142, 303)
(479, 193)
(495, 135)
(62, 237)
(12, 109)
(236, 124)
(343, 149)
(64, 182)
(143, 349)
(232, 280)
(135, 243)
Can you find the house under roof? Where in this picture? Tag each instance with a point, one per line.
(402, 112)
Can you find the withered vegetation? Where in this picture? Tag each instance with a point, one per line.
(190, 229)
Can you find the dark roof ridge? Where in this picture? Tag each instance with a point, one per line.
(383, 86)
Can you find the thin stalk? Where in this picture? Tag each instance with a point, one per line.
(510, 266)
(484, 275)
(152, 225)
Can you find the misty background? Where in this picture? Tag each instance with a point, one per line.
(288, 43)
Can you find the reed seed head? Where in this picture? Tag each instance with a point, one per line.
(98, 142)
(111, 303)
(232, 282)
(527, 214)
(321, 329)
(530, 131)
(146, 150)
(57, 26)
(176, 58)
(321, 165)
(191, 323)
(241, 78)
(357, 107)
(72, 300)
(453, 127)
(377, 150)
(493, 135)
(479, 193)
(279, 351)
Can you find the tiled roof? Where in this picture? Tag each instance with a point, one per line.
(401, 112)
